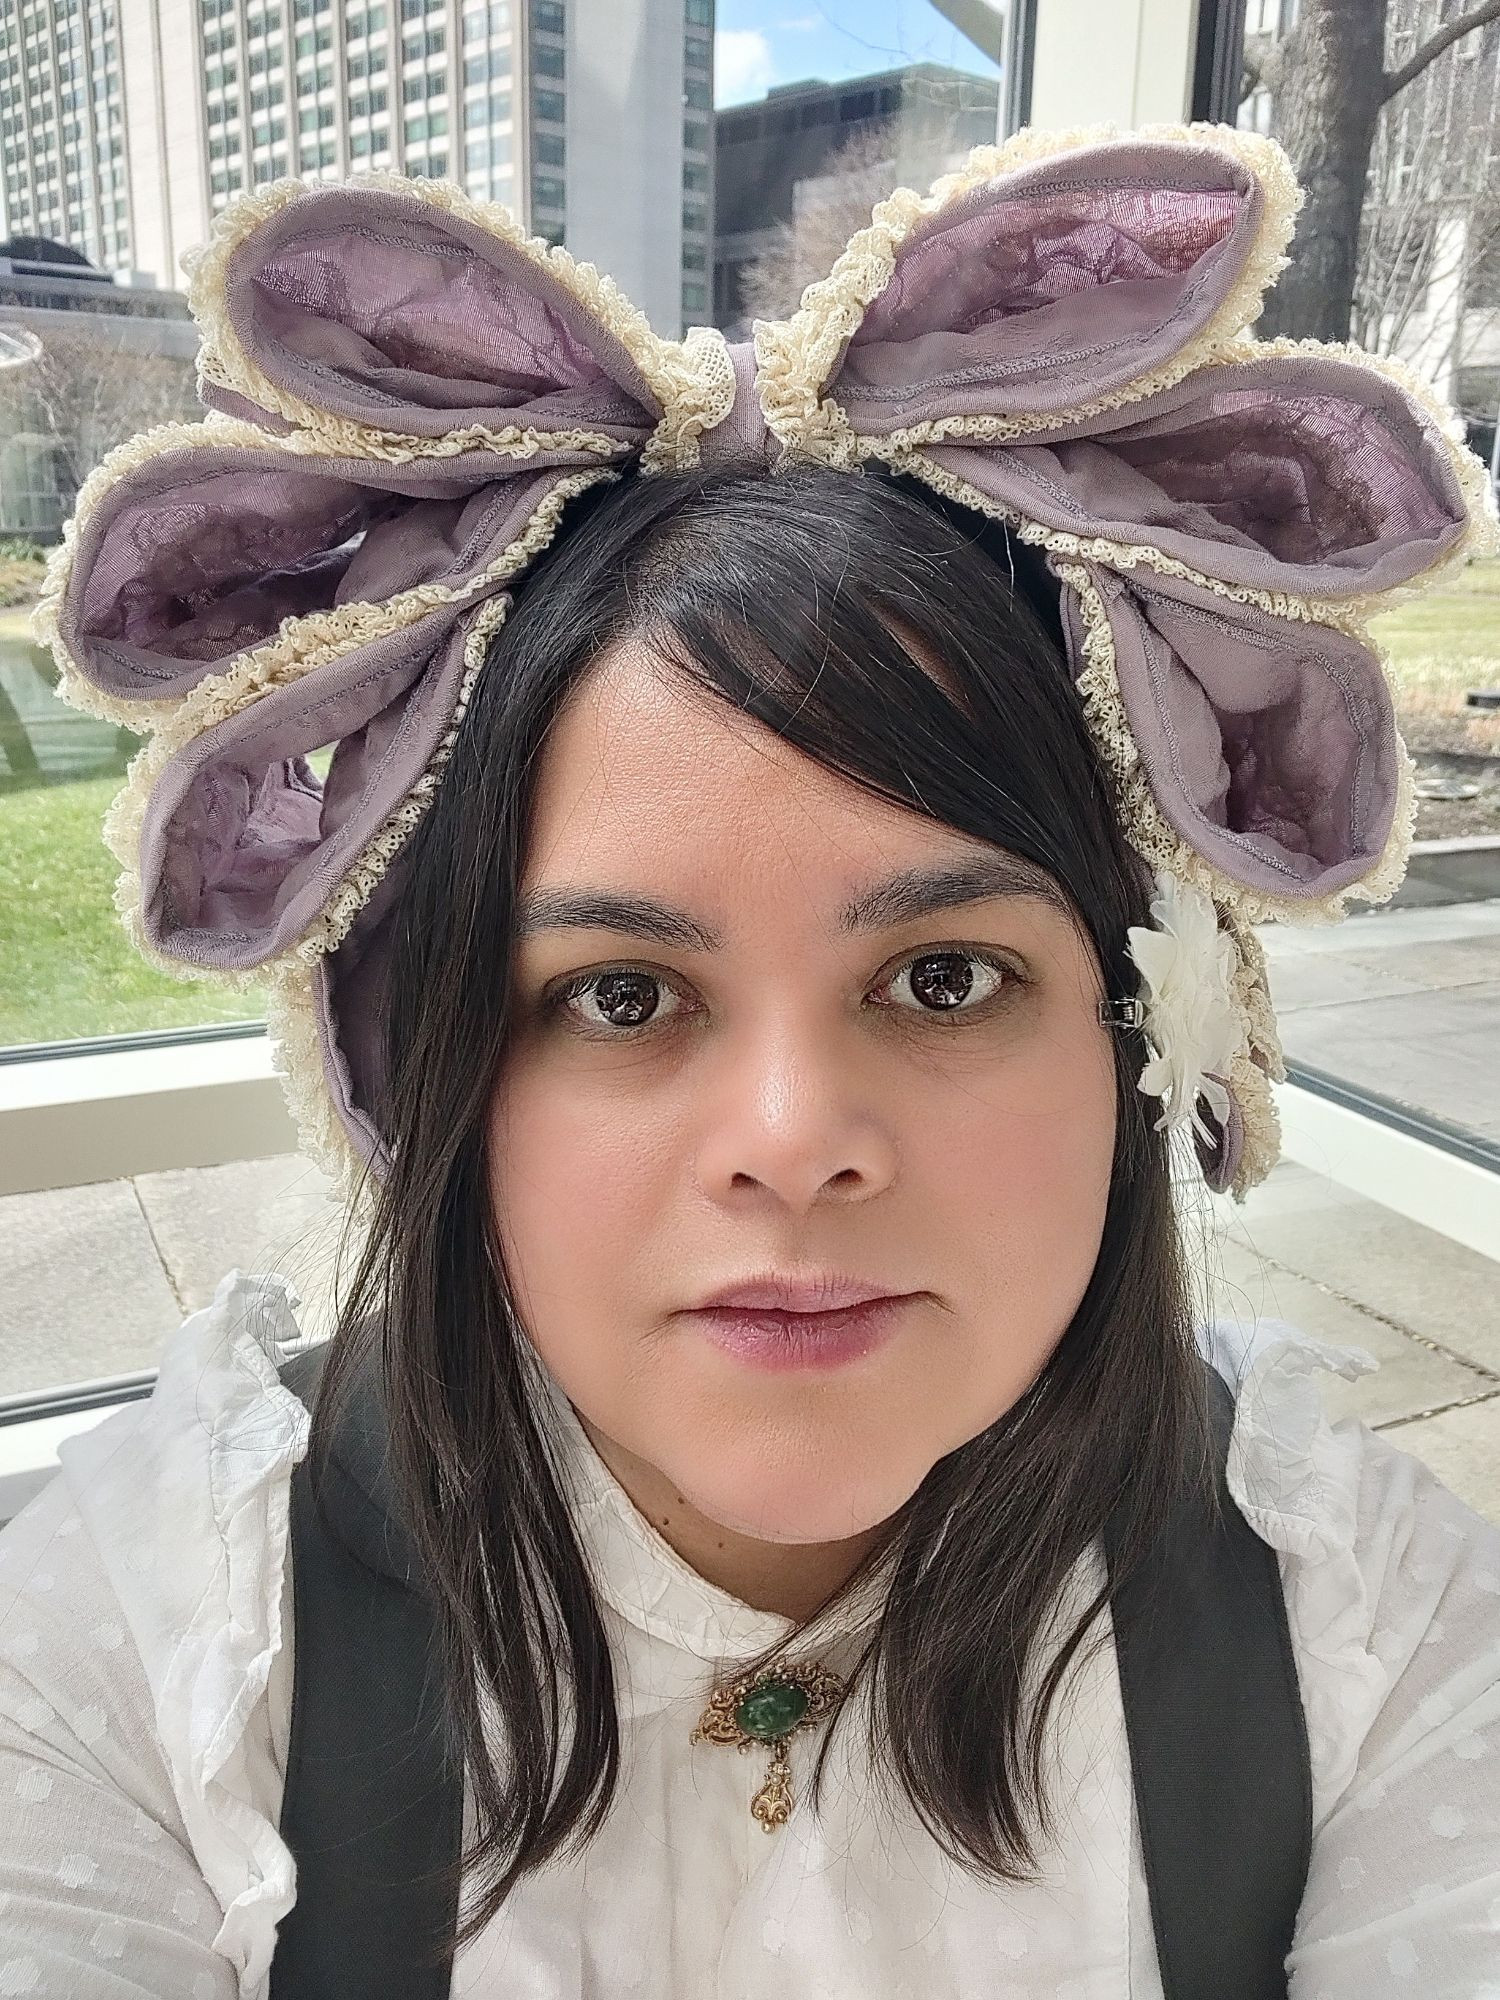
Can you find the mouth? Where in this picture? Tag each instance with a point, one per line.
(781, 1340)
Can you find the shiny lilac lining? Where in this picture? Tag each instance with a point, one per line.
(1270, 742)
(206, 552)
(1043, 288)
(243, 845)
(375, 307)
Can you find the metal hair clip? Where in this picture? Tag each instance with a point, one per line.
(1122, 1013)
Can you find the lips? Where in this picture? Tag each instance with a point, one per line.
(777, 1292)
(780, 1340)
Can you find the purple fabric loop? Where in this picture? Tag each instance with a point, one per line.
(241, 846)
(994, 305)
(380, 308)
(1270, 743)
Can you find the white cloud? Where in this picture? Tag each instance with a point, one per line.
(743, 65)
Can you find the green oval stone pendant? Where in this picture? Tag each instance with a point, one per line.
(773, 1709)
(770, 1708)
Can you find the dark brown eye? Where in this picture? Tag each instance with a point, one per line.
(943, 984)
(626, 998)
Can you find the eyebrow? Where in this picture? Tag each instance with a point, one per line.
(900, 899)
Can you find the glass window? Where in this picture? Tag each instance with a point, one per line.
(770, 141)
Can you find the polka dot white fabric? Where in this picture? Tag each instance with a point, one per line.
(145, 1675)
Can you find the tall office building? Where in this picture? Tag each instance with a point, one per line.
(776, 151)
(126, 124)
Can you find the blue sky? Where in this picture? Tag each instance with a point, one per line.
(763, 42)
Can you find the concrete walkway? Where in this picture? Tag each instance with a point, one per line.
(1302, 1249)
(1403, 1002)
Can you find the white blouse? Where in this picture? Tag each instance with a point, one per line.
(145, 1676)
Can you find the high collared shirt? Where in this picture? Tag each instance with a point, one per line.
(146, 1659)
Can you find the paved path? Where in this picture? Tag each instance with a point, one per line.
(1404, 1002)
(1300, 1249)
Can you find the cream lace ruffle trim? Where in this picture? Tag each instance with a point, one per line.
(684, 376)
(302, 646)
(213, 431)
(288, 979)
(797, 356)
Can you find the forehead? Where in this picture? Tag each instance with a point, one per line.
(636, 739)
(639, 727)
(650, 784)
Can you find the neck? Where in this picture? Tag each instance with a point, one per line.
(788, 1579)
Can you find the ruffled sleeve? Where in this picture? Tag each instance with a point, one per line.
(1392, 1587)
(182, 1502)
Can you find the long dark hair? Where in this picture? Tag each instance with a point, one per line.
(782, 594)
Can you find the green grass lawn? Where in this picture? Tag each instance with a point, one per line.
(67, 968)
(1440, 646)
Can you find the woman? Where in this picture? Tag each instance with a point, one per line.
(730, 870)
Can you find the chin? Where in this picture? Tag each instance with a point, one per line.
(833, 1514)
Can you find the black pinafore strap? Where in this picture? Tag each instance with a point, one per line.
(374, 1795)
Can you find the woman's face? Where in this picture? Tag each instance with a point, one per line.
(798, 1098)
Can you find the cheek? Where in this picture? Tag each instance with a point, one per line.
(576, 1198)
(1016, 1187)
(1023, 1169)
(1006, 1185)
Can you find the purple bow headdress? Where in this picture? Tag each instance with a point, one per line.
(404, 391)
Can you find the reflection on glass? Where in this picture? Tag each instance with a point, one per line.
(1398, 250)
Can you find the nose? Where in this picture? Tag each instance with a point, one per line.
(799, 1118)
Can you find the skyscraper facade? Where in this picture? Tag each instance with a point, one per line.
(127, 124)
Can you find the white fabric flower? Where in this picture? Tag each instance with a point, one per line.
(1193, 1020)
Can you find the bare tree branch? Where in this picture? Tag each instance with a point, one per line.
(90, 394)
(1477, 17)
(1263, 60)
(829, 207)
